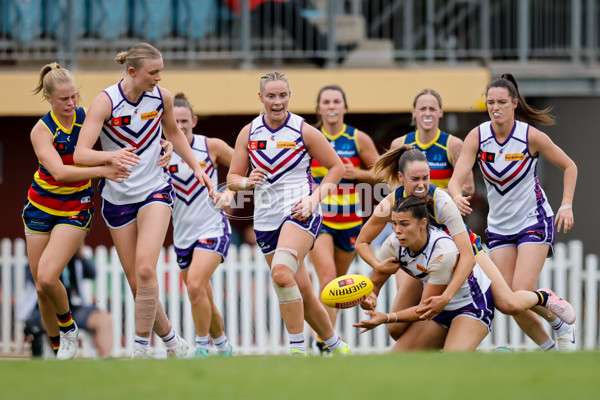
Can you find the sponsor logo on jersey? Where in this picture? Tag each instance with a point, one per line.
(514, 157)
(346, 282)
(286, 145)
(421, 268)
(487, 157)
(120, 121)
(85, 199)
(202, 164)
(173, 168)
(437, 164)
(149, 115)
(258, 144)
(60, 146)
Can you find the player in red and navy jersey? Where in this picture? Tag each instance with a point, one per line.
(342, 220)
(441, 148)
(59, 208)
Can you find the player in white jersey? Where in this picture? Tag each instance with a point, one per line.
(411, 166)
(430, 255)
(201, 231)
(520, 221)
(130, 117)
(277, 148)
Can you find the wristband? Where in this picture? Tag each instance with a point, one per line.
(388, 317)
(243, 184)
(565, 206)
(395, 317)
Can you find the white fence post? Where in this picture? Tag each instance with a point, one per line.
(243, 293)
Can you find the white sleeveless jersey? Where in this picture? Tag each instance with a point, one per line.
(194, 214)
(515, 196)
(134, 125)
(439, 242)
(281, 153)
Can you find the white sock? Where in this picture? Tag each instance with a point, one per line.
(141, 342)
(202, 342)
(222, 343)
(548, 345)
(171, 340)
(297, 341)
(559, 326)
(334, 342)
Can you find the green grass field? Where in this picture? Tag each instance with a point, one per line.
(480, 376)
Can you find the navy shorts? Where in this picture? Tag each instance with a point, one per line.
(267, 240)
(119, 215)
(216, 245)
(81, 315)
(540, 233)
(482, 309)
(38, 221)
(343, 239)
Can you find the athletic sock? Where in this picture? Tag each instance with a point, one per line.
(55, 343)
(297, 341)
(221, 342)
(141, 342)
(548, 345)
(334, 342)
(559, 326)
(170, 340)
(65, 322)
(203, 342)
(542, 297)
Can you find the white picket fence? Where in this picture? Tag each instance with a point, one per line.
(243, 293)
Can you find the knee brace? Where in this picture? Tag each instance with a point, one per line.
(287, 257)
(287, 294)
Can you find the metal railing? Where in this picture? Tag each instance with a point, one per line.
(87, 32)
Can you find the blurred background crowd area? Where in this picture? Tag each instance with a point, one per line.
(382, 52)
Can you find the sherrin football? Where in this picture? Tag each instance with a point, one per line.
(346, 291)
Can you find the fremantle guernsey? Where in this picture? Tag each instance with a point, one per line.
(515, 196)
(194, 214)
(417, 265)
(134, 125)
(341, 207)
(50, 195)
(281, 153)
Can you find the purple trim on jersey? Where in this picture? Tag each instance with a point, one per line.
(119, 215)
(516, 182)
(302, 134)
(218, 245)
(125, 98)
(483, 311)
(510, 135)
(191, 200)
(267, 240)
(112, 106)
(279, 127)
(282, 173)
(540, 233)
